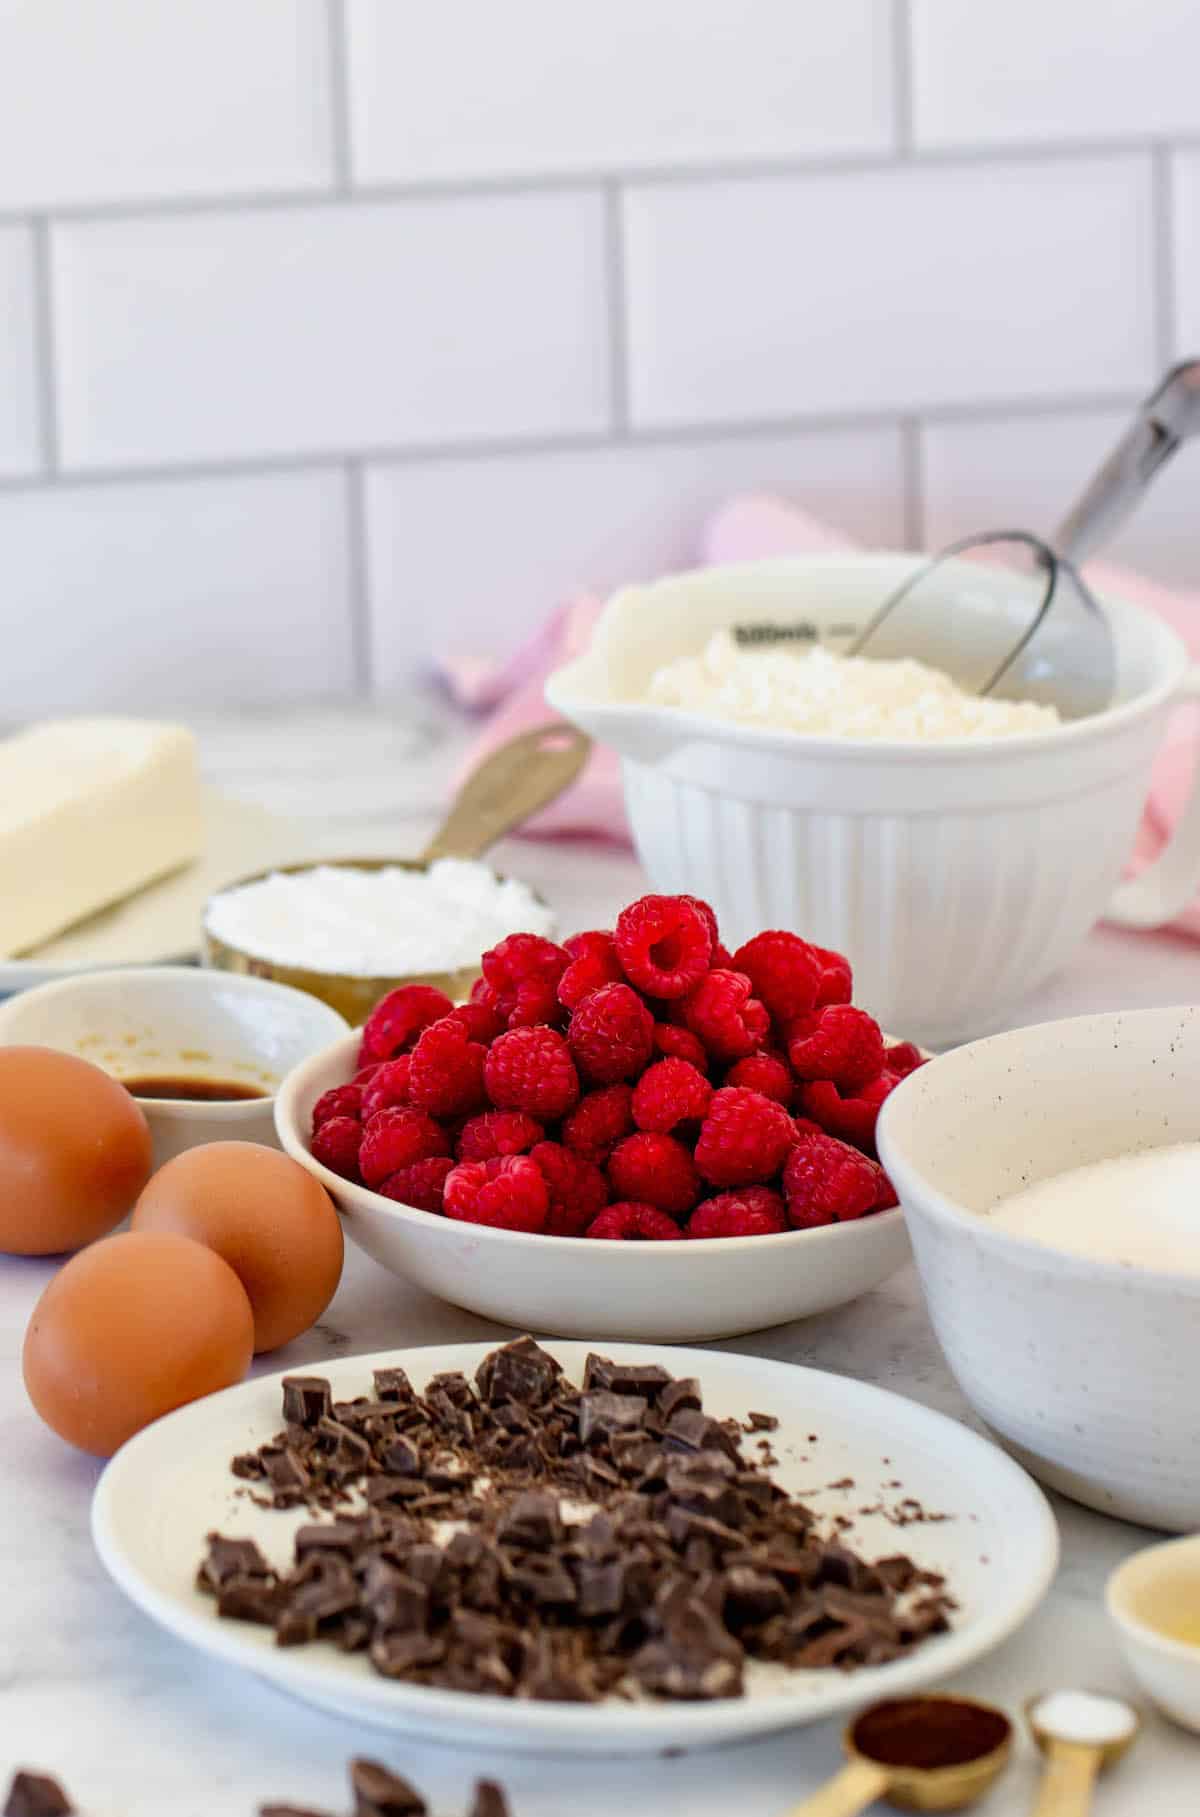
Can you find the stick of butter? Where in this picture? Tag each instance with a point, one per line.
(90, 810)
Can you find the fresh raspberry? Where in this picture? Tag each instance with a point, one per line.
(446, 1075)
(851, 1116)
(783, 972)
(611, 1035)
(577, 1188)
(674, 1043)
(593, 962)
(599, 1121)
(422, 1185)
(730, 1022)
(507, 1193)
(497, 1132)
(340, 1101)
(480, 1020)
(804, 1126)
(744, 1139)
(828, 1182)
(336, 1145)
(755, 1211)
(365, 1074)
(901, 1059)
(524, 971)
(663, 944)
(396, 1138)
(668, 1093)
(764, 1073)
(887, 1195)
(838, 1043)
(837, 980)
(388, 1087)
(654, 1170)
(397, 1019)
(531, 1069)
(708, 915)
(631, 1223)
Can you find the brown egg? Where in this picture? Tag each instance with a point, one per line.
(130, 1328)
(74, 1151)
(269, 1219)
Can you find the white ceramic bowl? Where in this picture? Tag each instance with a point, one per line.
(1145, 1595)
(667, 1293)
(1085, 1369)
(177, 1021)
(956, 876)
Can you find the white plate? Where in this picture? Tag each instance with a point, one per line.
(162, 922)
(171, 1485)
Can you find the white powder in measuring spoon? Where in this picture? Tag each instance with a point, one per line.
(820, 693)
(377, 924)
(1142, 1210)
(1084, 1717)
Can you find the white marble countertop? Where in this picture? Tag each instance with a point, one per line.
(138, 1725)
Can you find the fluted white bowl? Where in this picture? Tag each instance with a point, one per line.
(957, 876)
(1084, 1368)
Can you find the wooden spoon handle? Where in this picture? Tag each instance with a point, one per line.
(1070, 1773)
(508, 787)
(852, 1790)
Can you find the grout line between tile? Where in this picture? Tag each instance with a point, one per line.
(359, 589)
(43, 347)
(913, 459)
(1163, 205)
(617, 298)
(902, 76)
(339, 98)
(540, 183)
(680, 435)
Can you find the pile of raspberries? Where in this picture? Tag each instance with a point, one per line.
(642, 1084)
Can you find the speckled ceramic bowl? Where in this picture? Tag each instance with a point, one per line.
(1085, 1369)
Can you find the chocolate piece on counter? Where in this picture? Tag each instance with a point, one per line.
(228, 1559)
(489, 1800)
(683, 1396)
(307, 1399)
(37, 1795)
(532, 1520)
(602, 1414)
(762, 1422)
(521, 1371)
(402, 1457)
(378, 1793)
(392, 1385)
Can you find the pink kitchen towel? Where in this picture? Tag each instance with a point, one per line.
(510, 694)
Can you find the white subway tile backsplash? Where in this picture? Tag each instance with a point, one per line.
(1185, 187)
(472, 555)
(535, 87)
(305, 330)
(208, 591)
(127, 100)
(888, 290)
(1025, 472)
(18, 384)
(1025, 72)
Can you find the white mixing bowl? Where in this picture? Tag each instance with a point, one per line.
(1085, 1369)
(956, 876)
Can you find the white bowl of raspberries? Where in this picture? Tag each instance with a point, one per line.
(633, 1135)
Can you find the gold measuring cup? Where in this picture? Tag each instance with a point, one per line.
(506, 789)
(1072, 1767)
(862, 1780)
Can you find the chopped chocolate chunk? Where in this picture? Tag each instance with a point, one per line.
(289, 1810)
(489, 1801)
(456, 1388)
(251, 1599)
(690, 1430)
(752, 1596)
(37, 1795)
(228, 1559)
(601, 1414)
(392, 1385)
(403, 1456)
(762, 1422)
(646, 1380)
(696, 1658)
(286, 1473)
(533, 1521)
(395, 1602)
(378, 1793)
(683, 1396)
(401, 1655)
(521, 1371)
(601, 1587)
(307, 1400)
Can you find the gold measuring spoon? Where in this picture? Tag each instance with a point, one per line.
(505, 789)
(1072, 1765)
(883, 1727)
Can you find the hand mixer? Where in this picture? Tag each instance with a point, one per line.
(1007, 613)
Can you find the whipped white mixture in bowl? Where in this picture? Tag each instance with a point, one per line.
(1141, 1210)
(820, 693)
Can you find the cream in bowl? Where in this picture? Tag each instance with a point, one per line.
(202, 1052)
(1153, 1601)
(1045, 1176)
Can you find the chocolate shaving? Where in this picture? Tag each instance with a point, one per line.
(37, 1795)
